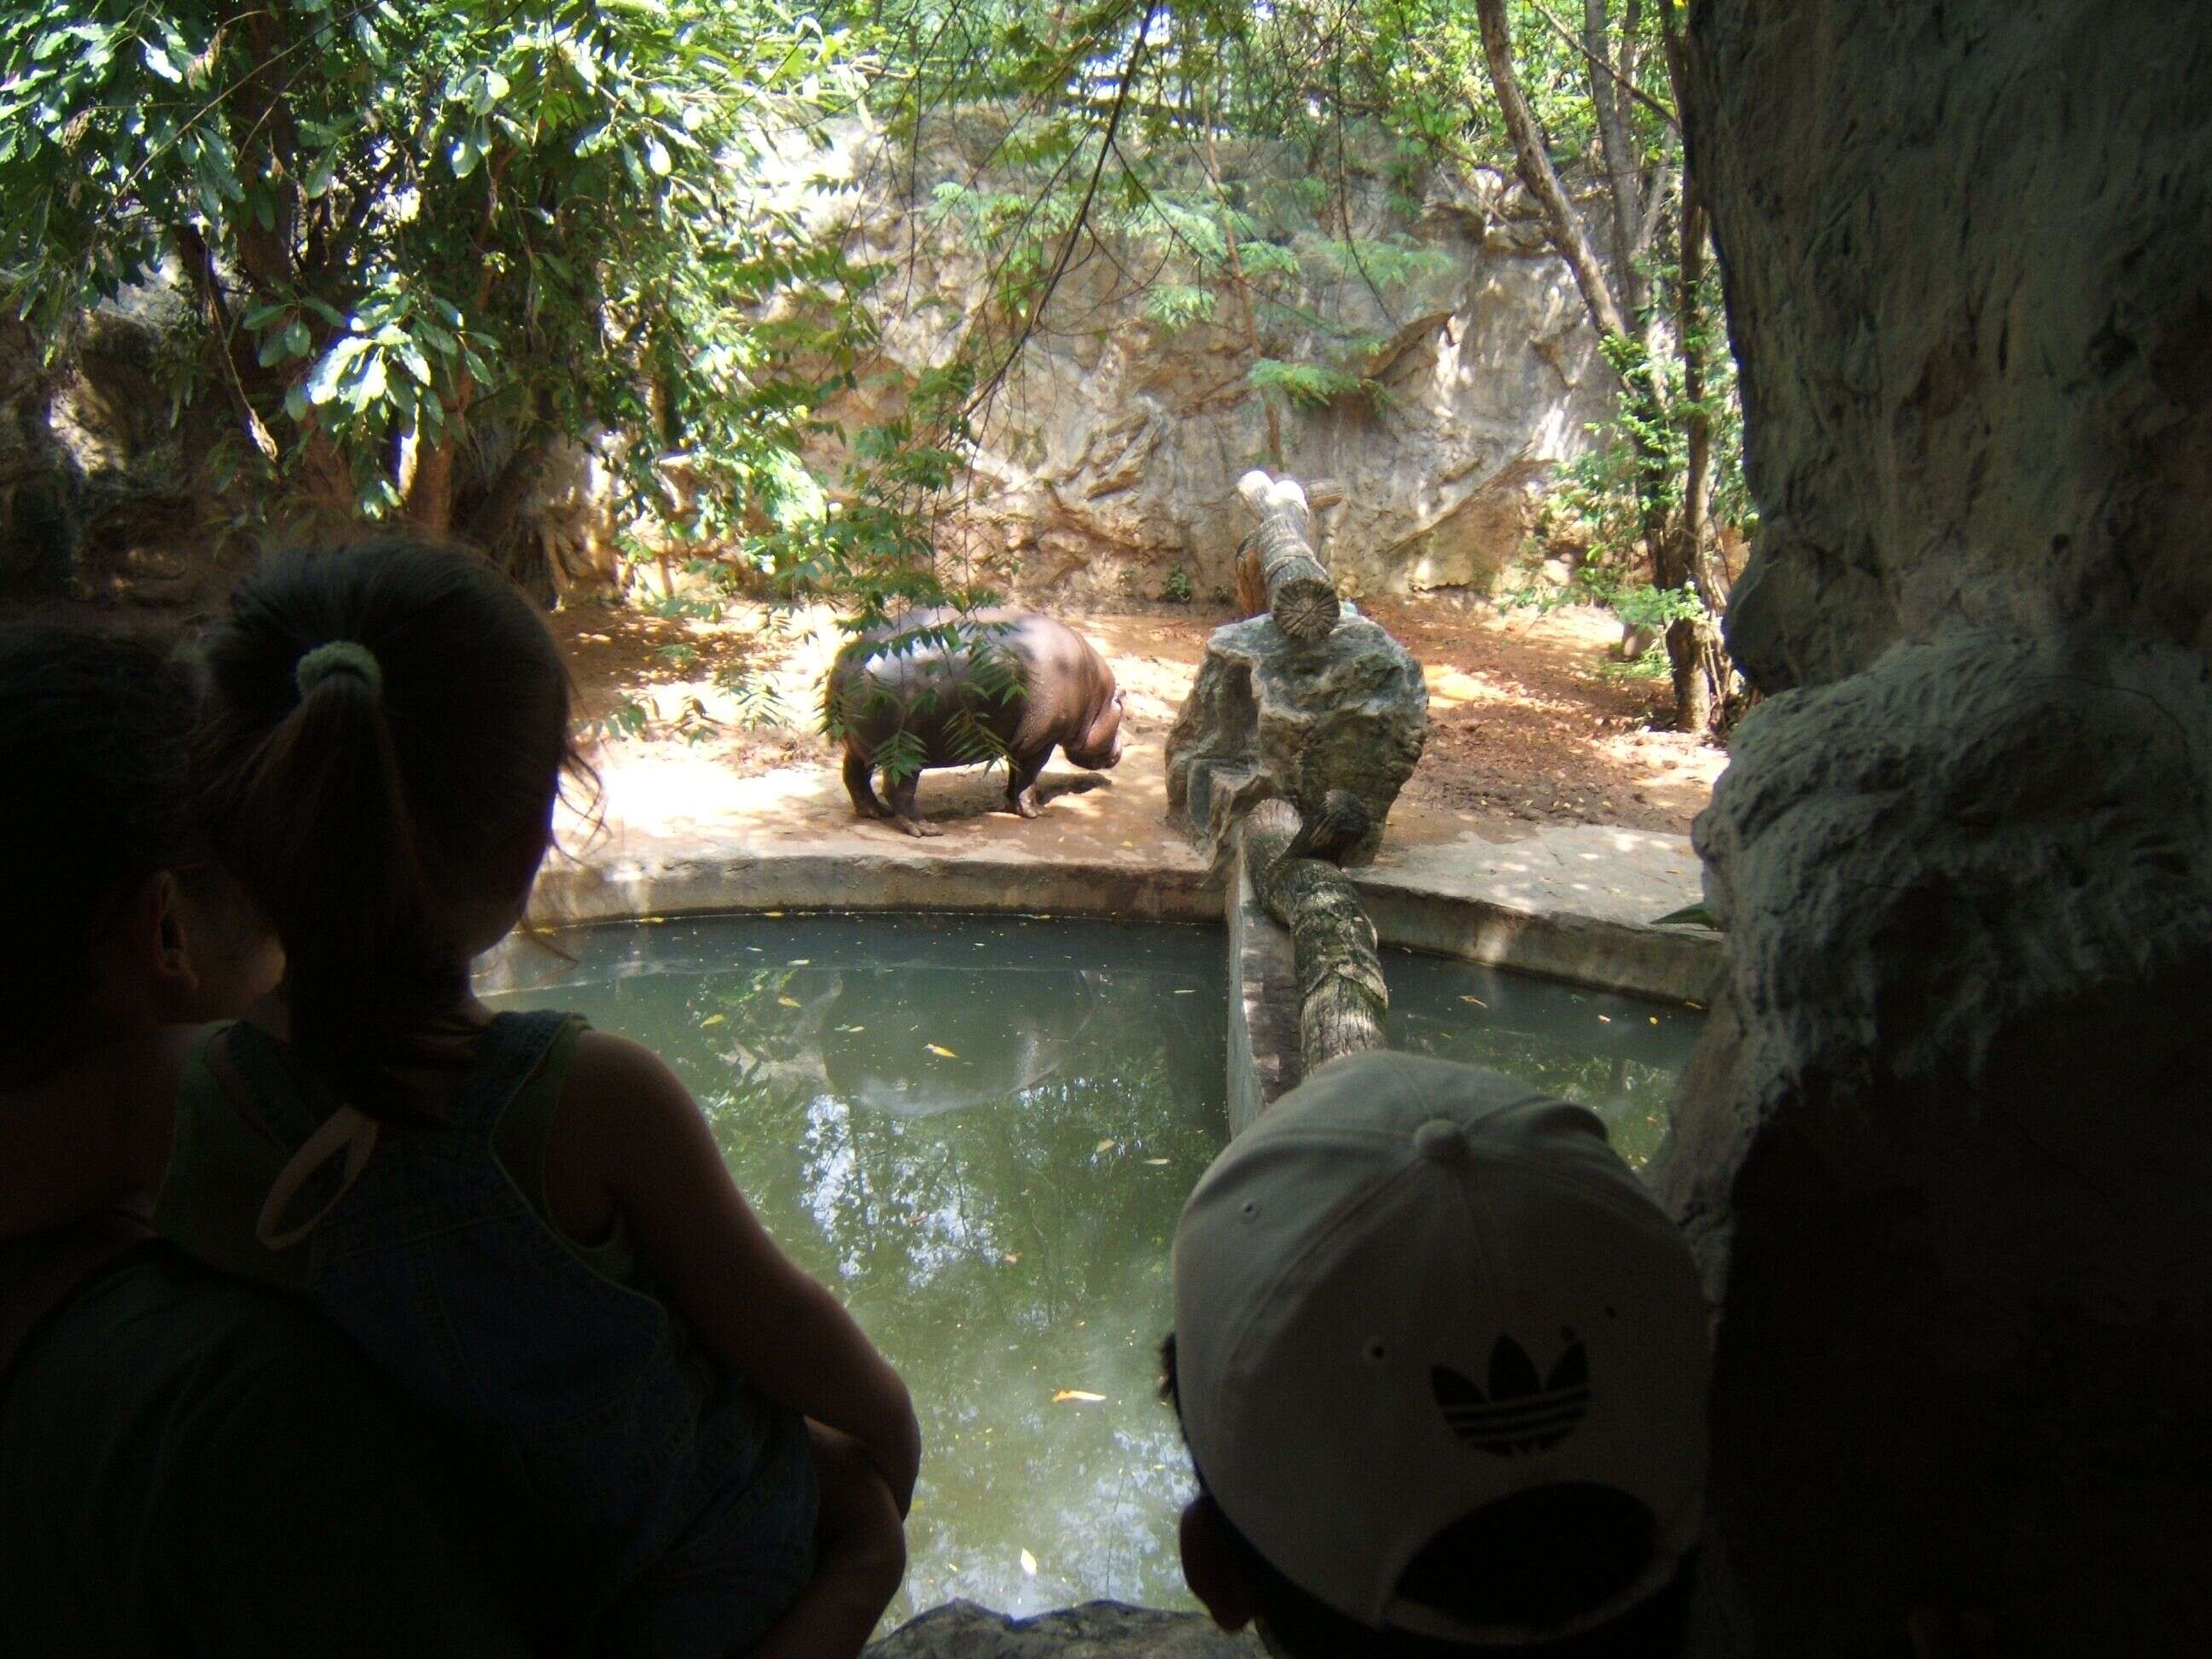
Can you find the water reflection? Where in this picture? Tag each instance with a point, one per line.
(1616, 1056)
(981, 1133)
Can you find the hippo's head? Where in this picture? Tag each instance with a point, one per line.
(1100, 746)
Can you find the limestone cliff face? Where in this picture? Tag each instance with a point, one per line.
(1110, 459)
(1968, 254)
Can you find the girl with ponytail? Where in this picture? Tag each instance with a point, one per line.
(524, 1222)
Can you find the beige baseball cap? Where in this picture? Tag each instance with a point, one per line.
(1412, 1289)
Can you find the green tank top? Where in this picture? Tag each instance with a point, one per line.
(224, 1160)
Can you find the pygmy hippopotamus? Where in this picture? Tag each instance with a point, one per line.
(923, 706)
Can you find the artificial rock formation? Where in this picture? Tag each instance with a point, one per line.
(1269, 715)
(1944, 1153)
(1943, 1149)
(1968, 257)
(1097, 1630)
(1108, 462)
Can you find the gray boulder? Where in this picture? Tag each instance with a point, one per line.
(1944, 1152)
(1271, 716)
(1097, 1630)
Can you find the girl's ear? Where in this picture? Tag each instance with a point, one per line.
(156, 918)
(1210, 1569)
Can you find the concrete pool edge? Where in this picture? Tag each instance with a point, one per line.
(1539, 933)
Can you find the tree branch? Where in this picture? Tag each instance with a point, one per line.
(1537, 172)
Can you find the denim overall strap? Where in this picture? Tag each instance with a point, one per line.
(508, 1055)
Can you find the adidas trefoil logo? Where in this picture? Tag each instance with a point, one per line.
(1519, 1414)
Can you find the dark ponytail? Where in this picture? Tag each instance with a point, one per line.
(388, 724)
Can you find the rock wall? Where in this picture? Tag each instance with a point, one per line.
(1097, 1630)
(1109, 460)
(1943, 1149)
(1968, 257)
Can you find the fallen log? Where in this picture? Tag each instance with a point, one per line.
(1342, 998)
(1300, 595)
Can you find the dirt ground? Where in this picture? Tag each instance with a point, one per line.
(1532, 719)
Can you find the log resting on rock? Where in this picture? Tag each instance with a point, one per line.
(1300, 595)
(1342, 998)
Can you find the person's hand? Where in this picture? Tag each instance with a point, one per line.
(1952, 1633)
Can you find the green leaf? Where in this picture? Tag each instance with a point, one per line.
(1689, 915)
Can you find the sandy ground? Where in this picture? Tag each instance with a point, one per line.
(1532, 722)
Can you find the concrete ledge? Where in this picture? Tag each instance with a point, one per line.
(780, 879)
(1667, 965)
(1573, 903)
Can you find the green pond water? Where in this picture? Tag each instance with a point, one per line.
(978, 1131)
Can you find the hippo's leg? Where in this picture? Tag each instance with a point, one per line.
(1023, 772)
(906, 810)
(863, 792)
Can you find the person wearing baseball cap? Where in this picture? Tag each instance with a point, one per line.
(1441, 1361)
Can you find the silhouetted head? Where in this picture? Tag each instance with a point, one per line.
(386, 733)
(116, 923)
(1440, 1359)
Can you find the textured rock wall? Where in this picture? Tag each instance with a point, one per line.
(1944, 1149)
(1097, 1630)
(1968, 256)
(1110, 459)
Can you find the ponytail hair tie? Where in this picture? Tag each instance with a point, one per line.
(338, 657)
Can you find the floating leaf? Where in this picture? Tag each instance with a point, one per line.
(772, 913)
(1103, 1146)
(1083, 1394)
(1477, 1001)
(791, 1002)
(936, 1049)
(798, 961)
(1160, 1160)
(1186, 992)
(1605, 1019)
(1029, 1564)
(712, 1019)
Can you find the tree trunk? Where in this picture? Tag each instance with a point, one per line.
(428, 503)
(1535, 166)
(1623, 174)
(1647, 406)
(1301, 597)
(1239, 285)
(1342, 997)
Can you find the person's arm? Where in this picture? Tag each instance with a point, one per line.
(627, 1117)
(306, 1510)
(90, 1135)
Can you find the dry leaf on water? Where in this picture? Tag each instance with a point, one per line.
(791, 1002)
(711, 1019)
(1103, 1146)
(1083, 1394)
(937, 1048)
(1477, 1001)
(1029, 1564)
